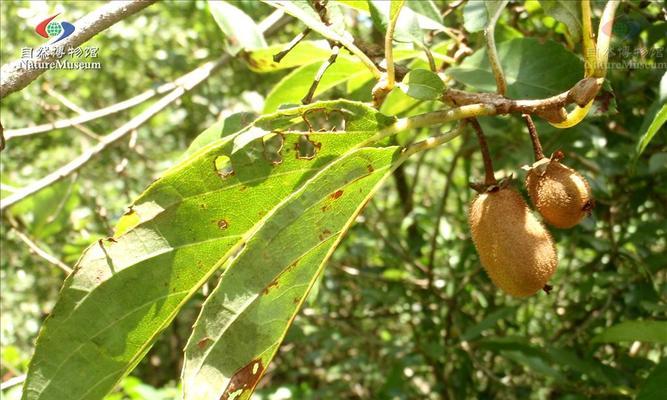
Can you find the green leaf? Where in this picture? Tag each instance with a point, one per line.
(628, 331)
(566, 11)
(302, 11)
(240, 30)
(532, 69)
(293, 87)
(422, 84)
(428, 15)
(125, 290)
(475, 16)
(407, 29)
(494, 6)
(657, 120)
(359, 5)
(306, 52)
(654, 386)
(246, 317)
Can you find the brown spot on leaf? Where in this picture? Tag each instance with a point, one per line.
(370, 168)
(244, 379)
(325, 233)
(273, 284)
(336, 194)
(112, 240)
(202, 344)
(223, 224)
(324, 208)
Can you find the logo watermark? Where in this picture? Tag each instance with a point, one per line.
(43, 57)
(50, 28)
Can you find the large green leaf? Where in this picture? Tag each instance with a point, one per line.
(125, 290)
(628, 331)
(240, 30)
(533, 69)
(245, 318)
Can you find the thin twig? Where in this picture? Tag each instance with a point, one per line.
(297, 39)
(193, 79)
(534, 137)
(16, 75)
(92, 115)
(489, 177)
(184, 84)
(492, 53)
(267, 26)
(335, 49)
(389, 48)
(36, 249)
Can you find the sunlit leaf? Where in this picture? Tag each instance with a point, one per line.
(246, 317)
(240, 30)
(422, 84)
(125, 290)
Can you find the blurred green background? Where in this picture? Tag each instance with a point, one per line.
(404, 309)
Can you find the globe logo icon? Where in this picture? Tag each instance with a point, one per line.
(49, 28)
(53, 29)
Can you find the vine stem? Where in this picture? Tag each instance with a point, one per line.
(489, 34)
(431, 118)
(534, 137)
(604, 38)
(489, 176)
(587, 38)
(388, 46)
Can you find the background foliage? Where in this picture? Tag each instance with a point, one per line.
(404, 309)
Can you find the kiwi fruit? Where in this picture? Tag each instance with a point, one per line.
(514, 247)
(559, 193)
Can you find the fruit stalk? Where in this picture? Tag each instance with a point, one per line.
(534, 137)
(489, 177)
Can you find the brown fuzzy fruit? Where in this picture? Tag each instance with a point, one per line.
(515, 249)
(559, 193)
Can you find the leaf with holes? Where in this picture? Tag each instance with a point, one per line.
(126, 289)
(246, 317)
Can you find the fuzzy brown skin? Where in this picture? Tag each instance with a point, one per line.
(560, 194)
(515, 249)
